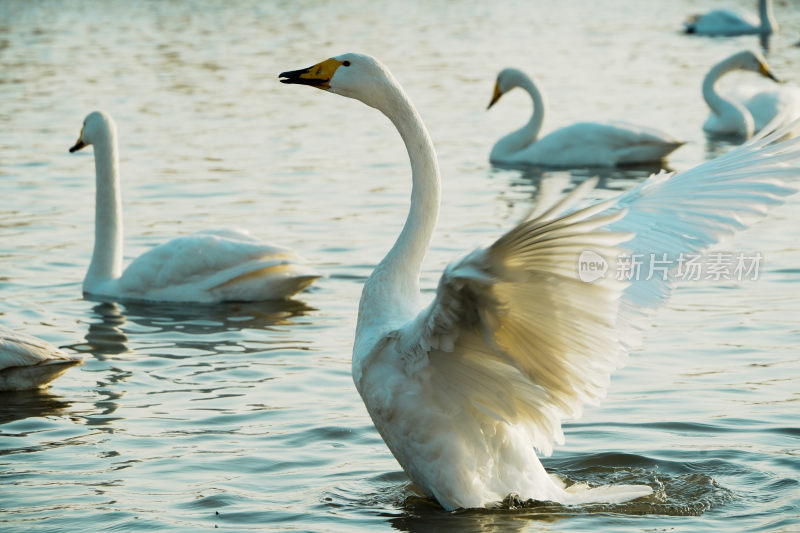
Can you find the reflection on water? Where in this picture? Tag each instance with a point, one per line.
(764, 39)
(107, 401)
(543, 188)
(106, 336)
(18, 405)
(211, 319)
(637, 171)
(720, 144)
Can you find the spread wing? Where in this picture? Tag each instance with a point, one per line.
(513, 331)
(674, 217)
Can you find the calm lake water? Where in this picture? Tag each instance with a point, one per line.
(244, 416)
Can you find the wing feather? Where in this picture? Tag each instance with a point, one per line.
(676, 215)
(526, 339)
(515, 334)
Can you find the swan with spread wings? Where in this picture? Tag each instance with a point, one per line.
(462, 390)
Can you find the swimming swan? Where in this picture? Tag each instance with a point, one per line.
(746, 110)
(30, 363)
(207, 266)
(593, 144)
(514, 342)
(727, 22)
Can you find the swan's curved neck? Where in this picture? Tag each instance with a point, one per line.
(732, 112)
(768, 21)
(107, 256)
(519, 139)
(393, 288)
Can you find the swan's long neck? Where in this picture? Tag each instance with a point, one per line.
(392, 291)
(769, 23)
(728, 110)
(107, 256)
(519, 139)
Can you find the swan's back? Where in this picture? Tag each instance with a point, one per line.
(723, 22)
(215, 265)
(599, 144)
(766, 103)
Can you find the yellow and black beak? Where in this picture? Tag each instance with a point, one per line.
(764, 70)
(79, 144)
(319, 75)
(496, 96)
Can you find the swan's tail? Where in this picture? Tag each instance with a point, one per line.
(266, 280)
(18, 378)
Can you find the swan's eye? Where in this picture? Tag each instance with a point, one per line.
(346, 63)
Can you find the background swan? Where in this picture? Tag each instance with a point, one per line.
(600, 144)
(30, 363)
(207, 266)
(747, 109)
(731, 22)
(513, 342)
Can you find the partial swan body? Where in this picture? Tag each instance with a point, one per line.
(206, 267)
(746, 109)
(462, 390)
(727, 22)
(29, 363)
(584, 144)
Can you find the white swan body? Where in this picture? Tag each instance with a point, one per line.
(30, 363)
(746, 110)
(208, 266)
(727, 22)
(599, 144)
(513, 342)
(766, 103)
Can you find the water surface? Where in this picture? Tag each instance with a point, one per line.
(244, 416)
